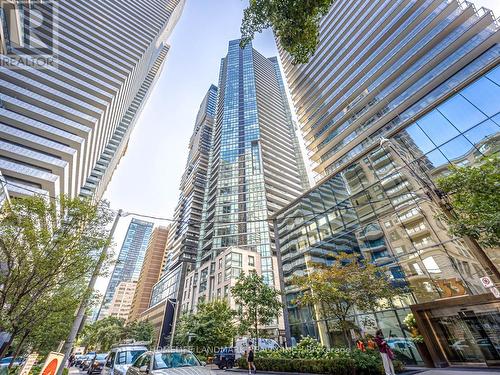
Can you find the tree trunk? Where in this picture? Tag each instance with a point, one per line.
(19, 347)
(346, 338)
(256, 329)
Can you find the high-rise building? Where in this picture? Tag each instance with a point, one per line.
(121, 304)
(182, 244)
(130, 259)
(65, 126)
(396, 92)
(154, 260)
(255, 170)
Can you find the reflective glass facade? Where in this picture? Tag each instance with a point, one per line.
(253, 167)
(130, 259)
(377, 207)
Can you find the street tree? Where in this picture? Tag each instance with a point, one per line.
(474, 193)
(139, 331)
(212, 326)
(259, 303)
(103, 333)
(294, 22)
(335, 290)
(45, 246)
(51, 323)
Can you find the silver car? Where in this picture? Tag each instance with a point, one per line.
(169, 362)
(121, 357)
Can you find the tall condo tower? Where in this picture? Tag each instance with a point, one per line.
(182, 244)
(154, 260)
(64, 126)
(130, 260)
(253, 172)
(376, 60)
(396, 93)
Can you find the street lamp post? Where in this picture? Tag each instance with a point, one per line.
(68, 345)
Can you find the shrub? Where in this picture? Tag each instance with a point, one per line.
(338, 366)
(312, 357)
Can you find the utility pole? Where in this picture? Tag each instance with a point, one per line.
(77, 323)
(442, 201)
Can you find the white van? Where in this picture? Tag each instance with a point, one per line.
(241, 345)
(121, 357)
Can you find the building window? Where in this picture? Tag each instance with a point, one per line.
(251, 261)
(417, 268)
(431, 265)
(237, 260)
(219, 277)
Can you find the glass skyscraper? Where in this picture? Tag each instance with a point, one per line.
(253, 168)
(396, 93)
(130, 260)
(64, 127)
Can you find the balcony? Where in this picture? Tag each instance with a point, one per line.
(11, 24)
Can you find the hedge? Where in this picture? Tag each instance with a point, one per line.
(336, 366)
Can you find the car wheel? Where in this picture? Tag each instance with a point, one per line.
(230, 364)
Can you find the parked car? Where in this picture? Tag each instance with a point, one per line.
(82, 361)
(169, 362)
(87, 361)
(225, 358)
(121, 357)
(97, 363)
(78, 359)
(5, 362)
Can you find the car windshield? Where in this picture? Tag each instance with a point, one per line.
(101, 356)
(128, 357)
(173, 360)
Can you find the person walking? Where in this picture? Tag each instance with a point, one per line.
(250, 359)
(385, 352)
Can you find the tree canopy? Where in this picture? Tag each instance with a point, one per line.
(211, 327)
(335, 290)
(474, 193)
(295, 23)
(258, 303)
(48, 251)
(104, 333)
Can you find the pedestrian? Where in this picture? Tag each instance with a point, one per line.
(385, 352)
(250, 359)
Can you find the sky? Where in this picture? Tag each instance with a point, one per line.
(148, 176)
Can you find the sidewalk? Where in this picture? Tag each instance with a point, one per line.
(411, 370)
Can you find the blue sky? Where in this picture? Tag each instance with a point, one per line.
(147, 178)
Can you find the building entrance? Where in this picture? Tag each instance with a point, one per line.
(464, 333)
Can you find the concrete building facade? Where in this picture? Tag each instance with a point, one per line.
(154, 261)
(65, 126)
(121, 303)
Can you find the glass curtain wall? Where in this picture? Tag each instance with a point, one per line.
(378, 208)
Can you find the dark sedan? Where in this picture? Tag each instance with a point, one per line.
(97, 363)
